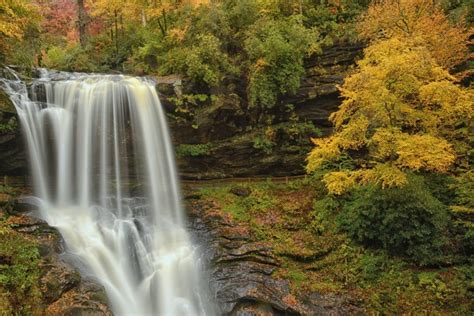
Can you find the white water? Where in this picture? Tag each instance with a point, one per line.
(90, 141)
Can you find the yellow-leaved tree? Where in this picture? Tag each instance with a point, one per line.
(402, 109)
(15, 17)
(420, 20)
(399, 112)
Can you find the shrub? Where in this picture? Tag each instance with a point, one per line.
(407, 221)
(193, 150)
(463, 210)
(276, 50)
(71, 58)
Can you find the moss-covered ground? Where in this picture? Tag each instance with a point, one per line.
(324, 260)
(19, 265)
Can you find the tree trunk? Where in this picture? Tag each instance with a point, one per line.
(144, 18)
(116, 31)
(82, 22)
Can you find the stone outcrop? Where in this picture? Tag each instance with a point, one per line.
(12, 154)
(225, 126)
(239, 157)
(318, 96)
(64, 291)
(242, 270)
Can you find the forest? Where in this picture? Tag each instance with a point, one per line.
(324, 149)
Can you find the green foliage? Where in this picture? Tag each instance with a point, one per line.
(406, 221)
(193, 150)
(10, 126)
(202, 60)
(300, 133)
(265, 140)
(297, 276)
(243, 208)
(19, 23)
(329, 262)
(73, 58)
(276, 51)
(458, 9)
(186, 103)
(260, 200)
(462, 208)
(19, 277)
(394, 288)
(253, 49)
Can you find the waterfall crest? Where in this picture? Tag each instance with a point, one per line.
(96, 142)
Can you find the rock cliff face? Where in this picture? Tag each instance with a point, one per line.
(12, 154)
(318, 96)
(243, 271)
(234, 149)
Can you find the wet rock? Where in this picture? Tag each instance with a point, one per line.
(252, 308)
(191, 196)
(21, 206)
(60, 277)
(331, 304)
(48, 238)
(240, 191)
(64, 291)
(12, 155)
(88, 299)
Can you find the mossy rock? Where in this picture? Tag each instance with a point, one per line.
(6, 105)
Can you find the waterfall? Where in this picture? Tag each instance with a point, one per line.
(104, 173)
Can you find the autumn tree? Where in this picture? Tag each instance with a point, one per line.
(57, 24)
(398, 114)
(423, 21)
(16, 17)
(82, 22)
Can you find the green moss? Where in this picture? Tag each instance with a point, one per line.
(193, 150)
(19, 273)
(264, 143)
(9, 127)
(6, 104)
(297, 276)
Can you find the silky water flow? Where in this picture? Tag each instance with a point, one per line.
(96, 143)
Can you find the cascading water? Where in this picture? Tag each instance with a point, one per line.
(91, 139)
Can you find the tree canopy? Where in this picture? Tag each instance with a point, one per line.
(401, 106)
(16, 17)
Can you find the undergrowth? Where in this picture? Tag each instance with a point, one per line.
(316, 256)
(19, 267)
